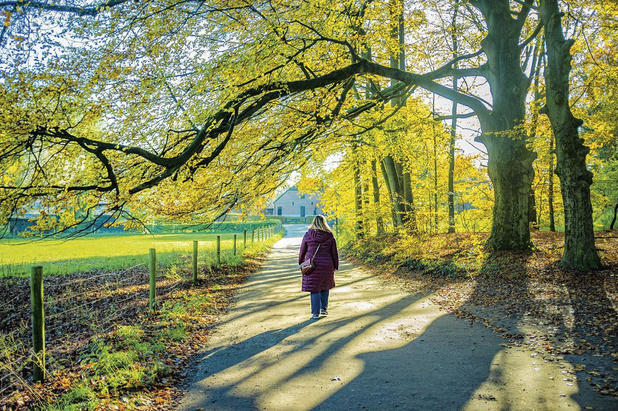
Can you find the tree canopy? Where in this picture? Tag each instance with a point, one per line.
(189, 108)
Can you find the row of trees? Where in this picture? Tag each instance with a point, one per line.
(192, 107)
(544, 198)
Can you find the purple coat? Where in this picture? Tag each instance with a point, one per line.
(326, 261)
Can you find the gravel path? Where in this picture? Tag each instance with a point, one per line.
(380, 348)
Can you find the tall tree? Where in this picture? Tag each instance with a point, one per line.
(451, 148)
(575, 179)
(510, 161)
(399, 179)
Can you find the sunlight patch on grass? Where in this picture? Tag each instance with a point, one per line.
(111, 252)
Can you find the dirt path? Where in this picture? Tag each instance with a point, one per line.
(380, 348)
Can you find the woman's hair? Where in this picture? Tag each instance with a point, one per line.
(320, 223)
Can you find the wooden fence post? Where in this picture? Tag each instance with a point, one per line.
(38, 322)
(252, 236)
(194, 262)
(234, 244)
(244, 239)
(153, 276)
(219, 250)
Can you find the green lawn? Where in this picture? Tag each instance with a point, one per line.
(110, 252)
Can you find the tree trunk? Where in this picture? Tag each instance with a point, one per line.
(539, 215)
(532, 210)
(390, 193)
(510, 161)
(358, 195)
(611, 226)
(435, 180)
(376, 197)
(405, 197)
(358, 202)
(579, 249)
(453, 139)
(410, 210)
(550, 194)
(510, 170)
(390, 175)
(451, 166)
(400, 181)
(366, 214)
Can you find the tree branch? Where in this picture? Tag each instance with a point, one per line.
(535, 33)
(423, 81)
(81, 11)
(237, 111)
(457, 116)
(446, 69)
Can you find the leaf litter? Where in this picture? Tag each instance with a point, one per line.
(525, 297)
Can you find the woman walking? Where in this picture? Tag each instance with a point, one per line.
(319, 243)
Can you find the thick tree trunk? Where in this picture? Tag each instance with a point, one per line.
(400, 181)
(510, 161)
(391, 194)
(510, 170)
(405, 197)
(611, 226)
(575, 180)
(390, 171)
(376, 197)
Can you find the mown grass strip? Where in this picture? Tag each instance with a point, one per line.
(107, 252)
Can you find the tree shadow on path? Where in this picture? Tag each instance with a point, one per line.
(379, 348)
(538, 310)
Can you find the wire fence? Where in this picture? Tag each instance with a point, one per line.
(79, 307)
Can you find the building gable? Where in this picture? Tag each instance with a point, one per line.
(293, 204)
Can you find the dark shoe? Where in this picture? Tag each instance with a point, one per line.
(315, 317)
(324, 313)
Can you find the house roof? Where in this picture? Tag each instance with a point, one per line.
(293, 188)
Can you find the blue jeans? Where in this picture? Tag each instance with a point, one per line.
(319, 301)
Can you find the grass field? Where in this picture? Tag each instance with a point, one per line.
(110, 252)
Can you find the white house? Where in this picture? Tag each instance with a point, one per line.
(293, 204)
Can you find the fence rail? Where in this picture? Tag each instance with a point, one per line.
(68, 308)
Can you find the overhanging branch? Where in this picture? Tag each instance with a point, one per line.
(81, 11)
